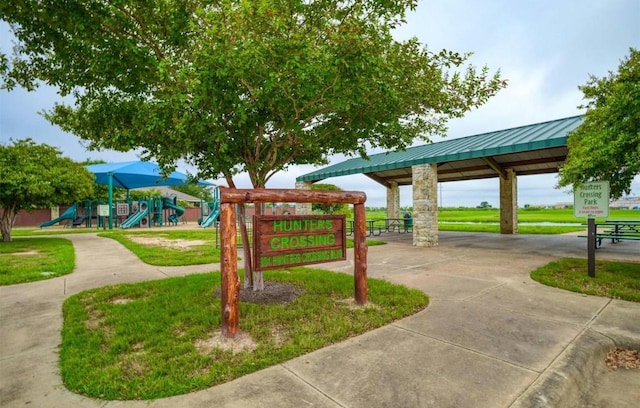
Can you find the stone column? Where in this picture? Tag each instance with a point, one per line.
(425, 205)
(303, 208)
(393, 200)
(509, 203)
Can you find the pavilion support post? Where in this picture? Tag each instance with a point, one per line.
(425, 205)
(303, 208)
(509, 203)
(360, 254)
(393, 200)
(230, 285)
(110, 186)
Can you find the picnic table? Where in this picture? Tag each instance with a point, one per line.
(617, 231)
(370, 227)
(401, 224)
(375, 227)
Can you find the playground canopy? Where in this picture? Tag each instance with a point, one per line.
(135, 174)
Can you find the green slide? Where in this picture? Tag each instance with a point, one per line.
(135, 218)
(170, 202)
(213, 215)
(70, 214)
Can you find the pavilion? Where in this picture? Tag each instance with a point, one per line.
(526, 150)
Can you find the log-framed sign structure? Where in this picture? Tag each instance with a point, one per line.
(230, 281)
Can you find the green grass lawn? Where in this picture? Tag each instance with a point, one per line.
(32, 259)
(488, 220)
(43, 232)
(495, 228)
(148, 340)
(166, 247)
(617, 280)
(553, 215)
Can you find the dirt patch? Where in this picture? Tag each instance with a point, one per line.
(165, 242)
(121, 301)
(242, 342)
(274, 293)
(352, 305)
(26, 253)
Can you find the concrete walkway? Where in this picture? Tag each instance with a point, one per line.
(491, 337)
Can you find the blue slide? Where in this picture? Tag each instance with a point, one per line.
(70, 214)
(213, 215)
(135, 218)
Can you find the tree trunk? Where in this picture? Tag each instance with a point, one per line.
(258, 281)
(246, 246)
(6, 222)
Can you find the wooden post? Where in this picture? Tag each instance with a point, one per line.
(230, 285)
(360, 254)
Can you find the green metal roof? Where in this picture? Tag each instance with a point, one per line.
(521, 139)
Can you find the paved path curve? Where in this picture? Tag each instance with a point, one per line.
(491, 336)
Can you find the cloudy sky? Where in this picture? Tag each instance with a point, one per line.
(544, 48)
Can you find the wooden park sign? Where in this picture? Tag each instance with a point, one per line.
(230, 285)
(295, 240)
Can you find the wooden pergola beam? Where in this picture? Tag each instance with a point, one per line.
(496, 167)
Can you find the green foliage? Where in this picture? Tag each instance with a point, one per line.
(136, 195)
(37, 176)
(149, 340)
(196, 190)
(337, 208)
(606, 146)
(240, 86)
(33, 259)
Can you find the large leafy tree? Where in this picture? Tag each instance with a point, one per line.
(35, 176)
(244, 85)
(196, 190)
(240, 85)
(328, 208)
(606, 146)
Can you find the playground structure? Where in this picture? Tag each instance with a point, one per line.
(142, 213)
(77, 214)
(210, 211)
(149, 212)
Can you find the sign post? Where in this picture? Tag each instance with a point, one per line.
(591, 200)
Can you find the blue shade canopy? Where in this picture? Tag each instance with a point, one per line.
(137, 174)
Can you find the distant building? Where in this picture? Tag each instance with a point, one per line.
(627, 203)
(168, 192)
(563, 205)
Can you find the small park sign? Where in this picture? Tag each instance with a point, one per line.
(103, 210)
(294, 240)
(591, 200)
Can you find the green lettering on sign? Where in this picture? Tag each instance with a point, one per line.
(282, 241)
